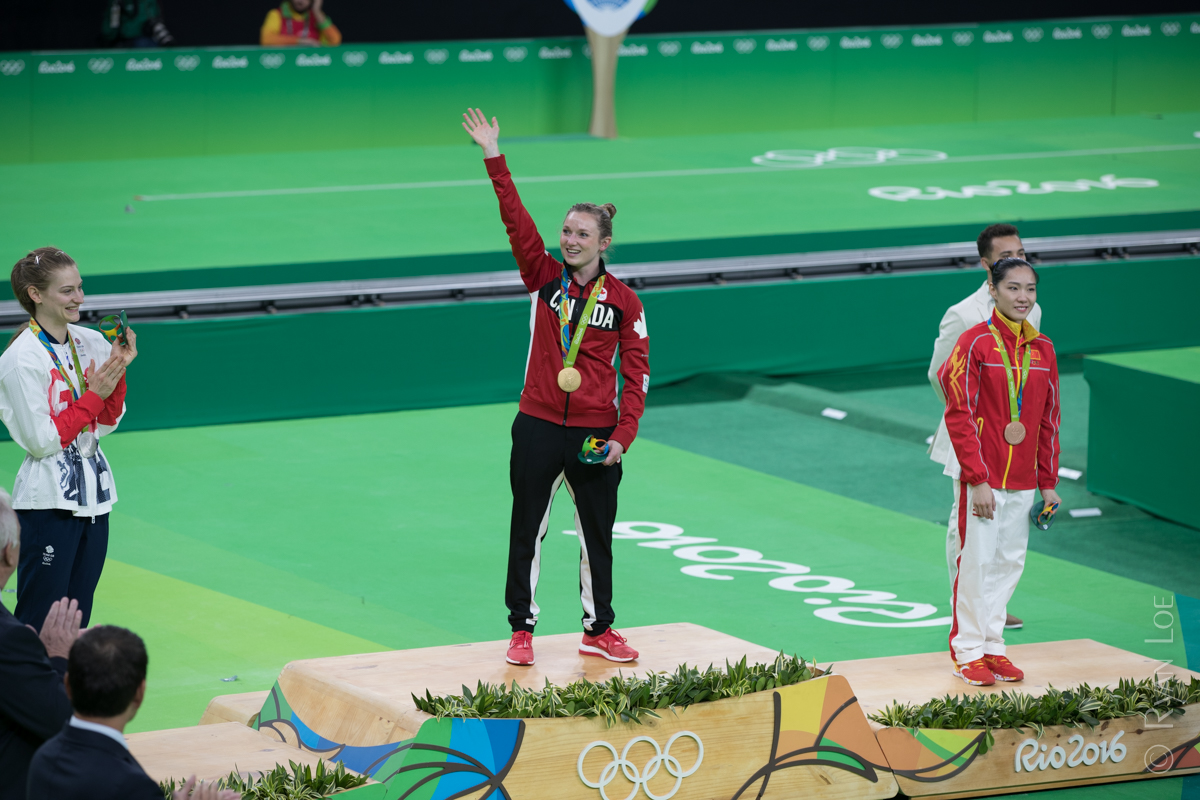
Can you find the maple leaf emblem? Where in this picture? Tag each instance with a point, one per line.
(639, 327)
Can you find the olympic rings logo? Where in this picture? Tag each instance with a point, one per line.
(640, 779)
(846, 156)
(10, 68)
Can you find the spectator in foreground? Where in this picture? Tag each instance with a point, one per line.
(301, 23)
(89, 759)
(33, 704)
(135, 23)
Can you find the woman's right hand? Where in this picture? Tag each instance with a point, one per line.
(983, 501)
(104, 380)
(485, 135)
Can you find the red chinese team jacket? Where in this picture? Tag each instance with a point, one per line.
(618, 321)
(977, 408)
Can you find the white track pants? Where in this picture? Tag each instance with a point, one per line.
(989, 556)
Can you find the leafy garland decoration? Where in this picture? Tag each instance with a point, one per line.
(303, 783)
(1083, 705)
(621, 698)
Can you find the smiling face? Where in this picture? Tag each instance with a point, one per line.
(1016, 293)
(580, 239)
(59, 303)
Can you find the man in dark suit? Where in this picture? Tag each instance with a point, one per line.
(89, 759)
(33, 704)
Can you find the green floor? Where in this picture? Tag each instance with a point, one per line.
(294, 209)
(239, 548)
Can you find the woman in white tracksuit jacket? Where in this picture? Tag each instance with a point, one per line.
(64, 488)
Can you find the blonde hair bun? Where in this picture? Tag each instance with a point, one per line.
(610, 208)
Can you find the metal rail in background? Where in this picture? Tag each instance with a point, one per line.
(331, 295)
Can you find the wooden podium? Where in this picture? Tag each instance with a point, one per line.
(809, 739)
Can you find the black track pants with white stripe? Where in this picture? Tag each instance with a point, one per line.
(544, 455)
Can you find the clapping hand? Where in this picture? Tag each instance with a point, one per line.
(125, 346)
(203, 791)
(485, 135)
(104, 380)
(61, 628)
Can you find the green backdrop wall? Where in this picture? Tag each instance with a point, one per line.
(197, 372)
(125, 104)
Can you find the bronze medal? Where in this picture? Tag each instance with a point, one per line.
(569, 379)
(1014, 433)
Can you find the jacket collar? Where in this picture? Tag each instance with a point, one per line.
(98, 741)
(1011, 331)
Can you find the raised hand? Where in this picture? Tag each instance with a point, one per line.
(485, 135)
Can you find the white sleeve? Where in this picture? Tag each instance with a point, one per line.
(1035, 317)
(951, 327)
(25, 410)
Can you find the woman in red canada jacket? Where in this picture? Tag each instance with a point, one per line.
(570, 394)
(1002, 413)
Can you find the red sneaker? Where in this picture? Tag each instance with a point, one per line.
(1003, 669)
(610, 645)
(520, 649)
(975, 673)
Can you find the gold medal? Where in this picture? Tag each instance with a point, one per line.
(569, 380)
(1014, 433)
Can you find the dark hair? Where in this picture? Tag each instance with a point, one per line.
(1007, 265)
(984, 242)
(106, 666)
(37, 270)
(603, 213)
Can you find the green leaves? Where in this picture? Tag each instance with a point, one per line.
(624, 699)
(1087, 705)
(302, 783)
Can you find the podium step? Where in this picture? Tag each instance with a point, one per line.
(241, 708)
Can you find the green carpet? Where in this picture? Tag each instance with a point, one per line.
(238, 548)
(679, 197)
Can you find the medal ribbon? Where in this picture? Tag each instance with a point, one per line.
(46, 343)
(569, 345)
(1015, 395)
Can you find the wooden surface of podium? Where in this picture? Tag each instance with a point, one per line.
(919, 678)
(211, 751)
(365, 700)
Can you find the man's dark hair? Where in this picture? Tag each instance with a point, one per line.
(984, 242)
(105, 668)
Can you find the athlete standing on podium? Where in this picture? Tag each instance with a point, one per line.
(570, 395)
(1003, 415)
(994, 243)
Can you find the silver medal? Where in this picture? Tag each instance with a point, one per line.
(87, 444)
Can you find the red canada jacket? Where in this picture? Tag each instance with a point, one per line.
(977, 408)
(618, 320)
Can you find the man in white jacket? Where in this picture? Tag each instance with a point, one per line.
(996, 242)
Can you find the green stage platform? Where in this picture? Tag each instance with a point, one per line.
(281, 218)
(1144, 434)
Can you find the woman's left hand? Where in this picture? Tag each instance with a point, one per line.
(615, 449)
(1049, 496)
(126, 352)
